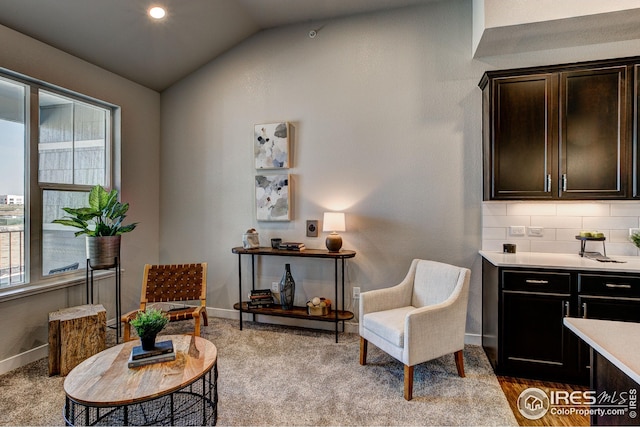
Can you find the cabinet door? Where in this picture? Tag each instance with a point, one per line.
(636, 123)
(536, 344)
(523, 111)
(607, 297)
(594, 133)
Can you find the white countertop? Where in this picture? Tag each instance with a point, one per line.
(618, 342)
(631, 264)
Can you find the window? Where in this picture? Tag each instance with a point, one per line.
(13, 136)
(66, 142)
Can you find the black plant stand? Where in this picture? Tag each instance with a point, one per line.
(89, 289)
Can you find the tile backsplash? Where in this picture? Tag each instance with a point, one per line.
(561, 222)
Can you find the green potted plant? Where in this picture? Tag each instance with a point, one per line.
(635, 238)
(147, 325)
(102, 223)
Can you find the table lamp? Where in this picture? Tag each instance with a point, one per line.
(333, 221)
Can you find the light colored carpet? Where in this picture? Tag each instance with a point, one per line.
(274, 375)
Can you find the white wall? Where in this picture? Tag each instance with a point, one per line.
(503, 27)
(24, 331)
(387, 118)
(387, 115)
(503, 13)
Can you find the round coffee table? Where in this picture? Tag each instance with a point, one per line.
(103, 390)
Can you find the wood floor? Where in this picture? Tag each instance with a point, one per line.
(512, 387)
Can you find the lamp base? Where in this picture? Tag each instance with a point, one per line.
(334, 242)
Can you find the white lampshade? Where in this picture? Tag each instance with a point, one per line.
(333, 221)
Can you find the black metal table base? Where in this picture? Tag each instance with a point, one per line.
(193, 405)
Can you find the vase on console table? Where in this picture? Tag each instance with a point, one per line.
(287, 288)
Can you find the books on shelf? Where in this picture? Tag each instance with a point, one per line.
(260, 293)
(265, 304)
(260, 298)
(162, 347)
(292, 246)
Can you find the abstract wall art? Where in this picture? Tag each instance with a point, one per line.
(272, 197)
(271, 145)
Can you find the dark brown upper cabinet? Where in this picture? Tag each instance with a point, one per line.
(561, 132)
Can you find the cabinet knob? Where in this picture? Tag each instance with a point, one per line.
(566, 309)
(564, 182)
(584, 310)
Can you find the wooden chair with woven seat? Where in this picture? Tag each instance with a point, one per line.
(172, 283)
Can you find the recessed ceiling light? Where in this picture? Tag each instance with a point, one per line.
(157, 12)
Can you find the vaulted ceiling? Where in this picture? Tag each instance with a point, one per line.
(119, 36)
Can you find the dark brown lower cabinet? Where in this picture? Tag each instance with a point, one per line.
(522, 330)
(536, 343)
(606, 297)
(607, 378)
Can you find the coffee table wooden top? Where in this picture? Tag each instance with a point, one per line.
(105, 379)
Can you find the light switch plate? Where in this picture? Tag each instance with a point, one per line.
(312, 228)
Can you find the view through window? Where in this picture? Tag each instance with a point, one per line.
(13, 142)
(73, 148)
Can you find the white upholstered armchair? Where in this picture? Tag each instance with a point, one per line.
(420, 319)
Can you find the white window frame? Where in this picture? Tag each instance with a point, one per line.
(35, 279)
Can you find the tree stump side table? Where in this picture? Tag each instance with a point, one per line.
(75, 334)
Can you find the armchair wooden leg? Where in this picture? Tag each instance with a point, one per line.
(363, 351)
(408, 382)
(126, 332)
(459, 362)
(204, 318)
(196, 332)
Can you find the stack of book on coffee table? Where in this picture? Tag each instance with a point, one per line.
(162, 352)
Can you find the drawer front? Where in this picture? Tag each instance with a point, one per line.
(536, 281)
(609, 285)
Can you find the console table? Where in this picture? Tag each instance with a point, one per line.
(335, 315)
(103, 390)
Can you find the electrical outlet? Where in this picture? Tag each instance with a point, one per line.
(356, 292)
(275, 287)
(633, 230)
(312, 228)
(517, 230)
(536, 231)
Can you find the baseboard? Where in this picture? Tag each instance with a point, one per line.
(23, 358)
(350, 327)
(472, 339)
(29, 356)
(37, 353)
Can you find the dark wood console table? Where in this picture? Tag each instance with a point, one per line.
(335, 315)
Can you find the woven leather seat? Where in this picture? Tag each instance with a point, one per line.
(172, 283)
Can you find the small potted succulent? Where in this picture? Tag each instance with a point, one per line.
(147, 325)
